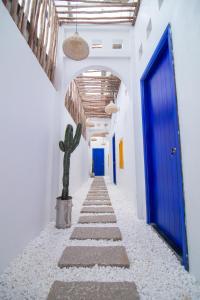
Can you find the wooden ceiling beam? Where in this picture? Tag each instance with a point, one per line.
(97, 12)
(92, 2)
(98, 116)
(136, 11)
(97, 92)
(95, 18)
(62, 22)
(99, 84)
(99, 5)
(97, 77)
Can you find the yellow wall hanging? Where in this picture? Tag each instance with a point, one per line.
(121, 154)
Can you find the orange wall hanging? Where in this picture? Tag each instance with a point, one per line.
(121, 154)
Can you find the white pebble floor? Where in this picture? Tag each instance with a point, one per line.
(153, 266)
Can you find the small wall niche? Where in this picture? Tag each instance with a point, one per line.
(160, 2)
(149, 28)
(117, 44)
(140, 51)
(97, 44)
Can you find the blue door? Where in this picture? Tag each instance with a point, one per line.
(114, 160)
(98, 161)
(164, 184)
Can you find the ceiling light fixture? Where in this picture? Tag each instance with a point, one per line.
(75, 47)
(111, 108)
(89, 123)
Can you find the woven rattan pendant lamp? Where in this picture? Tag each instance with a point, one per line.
(111, 108)
(75, 47)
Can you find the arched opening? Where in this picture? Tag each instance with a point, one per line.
(89, 92)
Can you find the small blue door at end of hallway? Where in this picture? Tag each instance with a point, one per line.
(98, 161)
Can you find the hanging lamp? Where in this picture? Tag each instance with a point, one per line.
(111, 108)
(93, 139)
(89, 123)
(103, 142)
(75, 47)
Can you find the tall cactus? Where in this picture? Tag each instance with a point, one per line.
(68, 146)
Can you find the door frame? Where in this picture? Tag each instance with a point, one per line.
(114, 159)
(166, 39)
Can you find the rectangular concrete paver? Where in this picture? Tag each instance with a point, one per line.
(97, 198)
(97, 210)
(98, 185)
(93, 291)
(97, 219)
(96, 233)
(89, 256)
(96, 202)
(98, 193)
(99, 189)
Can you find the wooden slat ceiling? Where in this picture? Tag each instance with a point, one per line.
(97, 89)
(97, 11)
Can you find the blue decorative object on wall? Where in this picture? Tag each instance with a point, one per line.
(98, 161)
(162, 153)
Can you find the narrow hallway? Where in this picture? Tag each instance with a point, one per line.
(153, 267)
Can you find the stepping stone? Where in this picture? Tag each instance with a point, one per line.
(93, 290)
(97, 210)
(97, 199)
(96, 233)
(98, 193)
(98, 187)
(96, 202)
(97, 219)
(89, 256)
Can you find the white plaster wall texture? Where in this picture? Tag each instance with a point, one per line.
(185, 23)
(27, 136)
(117, 61)
(122, 127)
(30, 127)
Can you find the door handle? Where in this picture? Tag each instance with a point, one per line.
(173, 150)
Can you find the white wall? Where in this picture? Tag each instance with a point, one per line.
(30, 128)
(185, 22)
(122, 127)
(117, 61)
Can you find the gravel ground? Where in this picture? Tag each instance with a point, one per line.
(154, 268)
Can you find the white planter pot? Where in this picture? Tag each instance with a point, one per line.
(63, 213)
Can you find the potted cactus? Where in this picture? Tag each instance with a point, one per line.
(64, 202)
(92, 175)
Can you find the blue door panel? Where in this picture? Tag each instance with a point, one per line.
(165, 201)
(98, 161)
(114, 160)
